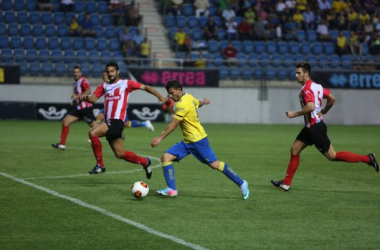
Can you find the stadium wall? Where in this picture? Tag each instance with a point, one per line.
(230, 105)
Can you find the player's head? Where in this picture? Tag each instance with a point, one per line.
(174, 89)
(303, 70)
(113, 72)
(77, 73)
(105, 76)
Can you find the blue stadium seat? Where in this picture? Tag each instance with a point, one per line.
(202, 21)
(181, 21)
(50, 31)
(44, 56)
(276, 60)
(192, 22)
(299, 58)
(238, 45)
(68, 56)
(98, 30)
(242, 59)
(81, 56)
(78, 43)
(16, 42)
(282, 74)
(334, 34)
(97, 70)
(300, 34)
(19, 5)
(56, 56)
(4, 41)
(213, 46)
(13, 29)
(59, 18)
(270, 73)
(24, 68)
(93, 56)
(346, 61)
(282, 48)
(212, 10)
(56, 5)
(47, 69)
(170, 21)
(218, 21)
(31, 5)
(246, 73)
(223, 72)
(102, 44)
(22, 17)
(114, 45)
(38, 30)
(60, 69)
(293, 47)
(305, 48)
(264, 60)
(46, 18)
(253, 60)
(3, 29)
(102, 7)
(31, 55)
(62, 30)
(70, 66)
(6, 5)
(312, 35)
(95, 19)
(187, 10)
(86, 69)
(328, 48)
(89, 43)
(79, 7)
(323, 61)
(19, 55)
(238, 19)
(28, 42)
(65, 43)
(271, 47)
(40, 43)
(259, 47)
(258, 73)
(35, 69)
(223, 44)
(218, 60)
(34, 17)
(197, 34)
(6, 55)
(317, 48)
(110, 32)
(90, 7)
(287, 61)
(234, 73)
(133, 30)
(221, 34)
(53, 43)
(247, 47)
(334, 61)
(107, 20)
(68, 17)
(9, 17)
(25, 30)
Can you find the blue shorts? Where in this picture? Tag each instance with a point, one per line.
(102, 112)
(201, 150)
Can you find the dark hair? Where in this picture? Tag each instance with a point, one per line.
(173, 84)
(305, 67)
(112, 64)
(77, 67)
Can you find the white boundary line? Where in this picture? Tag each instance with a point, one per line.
(107, 213)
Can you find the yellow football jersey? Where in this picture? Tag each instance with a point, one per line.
(186, 112)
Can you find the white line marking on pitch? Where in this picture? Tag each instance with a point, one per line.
(107, 213)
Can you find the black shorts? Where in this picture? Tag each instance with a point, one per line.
(87, 114)
(316, 135)
(115, 129)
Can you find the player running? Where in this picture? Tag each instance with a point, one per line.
(116, 93)
(83, 108)
(315, 130)
(195, 141)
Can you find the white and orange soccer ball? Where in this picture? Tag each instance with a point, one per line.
(140, 189)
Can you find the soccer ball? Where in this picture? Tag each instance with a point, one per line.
(140, 189)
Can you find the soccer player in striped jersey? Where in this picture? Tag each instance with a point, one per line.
(195, 141)
(116, 93)
(315, 130)
(83, 109)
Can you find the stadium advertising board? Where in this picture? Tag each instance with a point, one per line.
(9, 74)
(141, 112)
(17, 110)
(187, 77)
(347, 79)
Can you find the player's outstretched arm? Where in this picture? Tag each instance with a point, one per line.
(87, 98)
(154, 92)
(203, 101)
(170, 128)
(329, 104)
(309, 107)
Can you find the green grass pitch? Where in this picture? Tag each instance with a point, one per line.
(331, 205)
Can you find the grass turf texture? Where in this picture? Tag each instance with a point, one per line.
(331, 205)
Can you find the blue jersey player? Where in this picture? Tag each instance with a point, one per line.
(195, 141)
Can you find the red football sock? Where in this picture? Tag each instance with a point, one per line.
(64, 133)
(351, 157)
(292, 168)
(97, 148)
(134, 158)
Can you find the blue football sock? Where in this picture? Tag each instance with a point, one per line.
(169, 174)
(230, 173)
(136, 123)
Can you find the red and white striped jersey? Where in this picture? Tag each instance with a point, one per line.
(79, 87)
(116, 97)
(313, 92)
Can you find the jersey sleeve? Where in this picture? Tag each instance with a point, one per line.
(85, 84)
(99, 91)
(326, 93)
(308, 96)
(133, 85)
(181, 110)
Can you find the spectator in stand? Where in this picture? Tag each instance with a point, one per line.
(341, 22)
(259, 30)
(245, 30)
(341, 44)
(301, 5)
(145, 50)
(67, 5)
(210, 30)
(291, 5)
(228, 13)
(339, 6)
(129, 52)
(323, 31)
(370, 6)
(201, 7)
(330, 18)
(324, 5)
(298, 19)
(180, 37)
(126, 40)
(74, 27)
(86, 26)
(280, 7)
(201, 61)
(363, 16)
(45, 5)
(250, 16)
(308, 19)
(262, 16)
(244, 7)
(138, 38)
(368, 30)
(133, 16)
(270, 32)
(231, 28)
(113, 4)
(376, 22)
(353, 19)
(176, 7)
(118, 14)
(229, 54)
(355, 44)
(188, 43)
(220, 7)
(187, 62)
(279, 32)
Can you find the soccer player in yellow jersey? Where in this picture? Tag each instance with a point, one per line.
(195, 141)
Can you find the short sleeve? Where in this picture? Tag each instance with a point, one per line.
(308, 96)
(133, 85)
(99, 91)
(85, 84)
(181, 110)
(326, 93)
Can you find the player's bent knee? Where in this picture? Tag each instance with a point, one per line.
(166, 158)
(215, 165)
